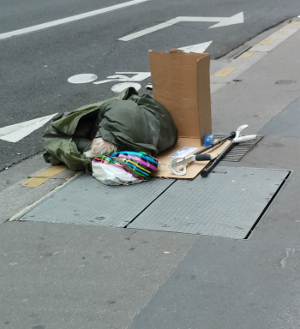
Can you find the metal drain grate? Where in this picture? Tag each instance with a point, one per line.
(225, 204)
(239, 150)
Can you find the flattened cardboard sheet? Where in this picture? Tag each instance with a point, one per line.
(181, 82)
(193, 168)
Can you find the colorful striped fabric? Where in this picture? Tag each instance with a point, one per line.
(139, 164)
(108, 160)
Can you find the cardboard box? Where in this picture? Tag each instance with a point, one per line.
(181, 82)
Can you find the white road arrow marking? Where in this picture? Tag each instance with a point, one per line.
(222, 21)
(16, 132)
(198, 48)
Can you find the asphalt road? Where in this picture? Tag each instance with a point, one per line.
(35, 67)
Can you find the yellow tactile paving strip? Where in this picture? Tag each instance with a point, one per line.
(43, 176)
(247, 54)
(267, 42)
(225, 72)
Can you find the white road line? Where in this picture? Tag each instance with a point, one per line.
(69, 19)
(149, 30)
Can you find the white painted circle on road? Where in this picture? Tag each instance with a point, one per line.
(118, 88)
(83, 78)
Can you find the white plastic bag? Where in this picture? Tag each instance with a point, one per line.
(112, 175)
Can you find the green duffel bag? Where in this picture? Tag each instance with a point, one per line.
(131, 121)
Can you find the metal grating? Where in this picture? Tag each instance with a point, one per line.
(86, 201)
(227, 203)
(239, 150)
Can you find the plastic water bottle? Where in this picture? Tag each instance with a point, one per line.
(209, 140)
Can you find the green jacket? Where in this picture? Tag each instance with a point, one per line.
(131, 121)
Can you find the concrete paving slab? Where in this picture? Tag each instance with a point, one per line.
(229, 284)
(67, 276)
(256, 97)
(286, 123)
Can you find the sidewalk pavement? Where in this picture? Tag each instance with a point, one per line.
(71, 276)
